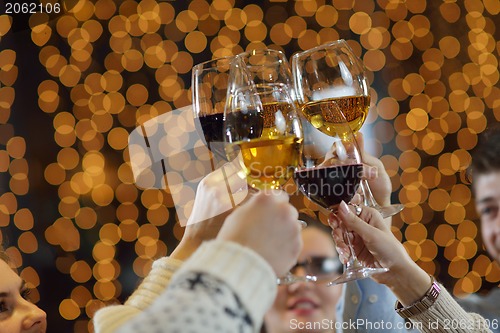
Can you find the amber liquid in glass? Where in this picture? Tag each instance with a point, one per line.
(322, 115)
(267, 162)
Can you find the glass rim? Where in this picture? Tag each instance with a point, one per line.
(319, 47)
(256, 51)
(279, 55)
(202, 65)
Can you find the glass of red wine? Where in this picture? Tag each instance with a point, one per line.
(209, 90)
(331, 172)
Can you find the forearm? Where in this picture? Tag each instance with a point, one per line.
(108, 319)
(222, 287)
(446, 315)
(412, 283)
(409, 283)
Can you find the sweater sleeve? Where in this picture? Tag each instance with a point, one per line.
(108, 319)
(223, 287)
(446, 315)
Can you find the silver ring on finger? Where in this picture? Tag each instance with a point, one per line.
(357, 210)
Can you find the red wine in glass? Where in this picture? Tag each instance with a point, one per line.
(328, 186)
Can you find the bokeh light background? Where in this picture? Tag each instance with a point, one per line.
(74, 85)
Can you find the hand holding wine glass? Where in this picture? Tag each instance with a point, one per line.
(331, 173)
(328, 76)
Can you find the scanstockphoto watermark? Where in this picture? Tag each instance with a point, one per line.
(328, 324)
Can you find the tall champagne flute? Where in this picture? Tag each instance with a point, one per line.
(328, 76)
(263, 132)
(330, 173)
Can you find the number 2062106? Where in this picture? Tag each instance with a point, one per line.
(32, 8)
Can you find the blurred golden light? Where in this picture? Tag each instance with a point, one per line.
(27, 242)
(454, 213)
(458, 268)
(137, 94)
(5, 24)
(132, 60)
(360, 23)
(69, 309)
(81, 296)
(186, 21)
(110, 234)
(102, 194)
(80, 271)
(105, 271)
(307, 39)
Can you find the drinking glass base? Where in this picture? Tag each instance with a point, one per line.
(289, 278)
(357, 273)
(390, 210)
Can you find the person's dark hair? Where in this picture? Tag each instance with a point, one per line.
(486, 155)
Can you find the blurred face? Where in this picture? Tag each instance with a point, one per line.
(487, 193)
(17, 314)
(302, 304)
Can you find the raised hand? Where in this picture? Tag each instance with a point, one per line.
(376, 246)
(374, 171)
(216, 196)
(267, 224)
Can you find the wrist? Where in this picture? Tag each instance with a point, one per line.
(422, 305)
(410, 283)
(185, 249)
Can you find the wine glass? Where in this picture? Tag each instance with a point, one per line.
(331, 172)
(209, 88)
(268, 66)
(328, 76)
(209, 92)
(261, 126)
(263, 132)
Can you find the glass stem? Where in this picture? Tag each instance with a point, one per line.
(353, 261)
(212, 165)
(368, 198)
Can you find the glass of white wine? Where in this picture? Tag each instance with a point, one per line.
(330, 76)
(262, 125)
(263, 132)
